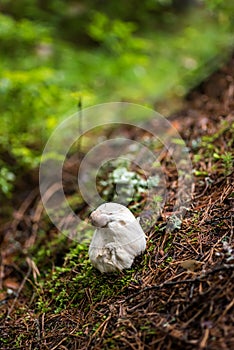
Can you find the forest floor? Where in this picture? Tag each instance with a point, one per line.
(178, 295)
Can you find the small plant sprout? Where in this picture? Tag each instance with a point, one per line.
(80, 126)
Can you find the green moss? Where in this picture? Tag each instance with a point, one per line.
(67, 285)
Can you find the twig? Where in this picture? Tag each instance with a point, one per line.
(24, 206)
(232, 230)
(203, 343)
(210, 253)
(20, 288)
(173, 283)
(80, 126)
(59, 343)
(217, 219)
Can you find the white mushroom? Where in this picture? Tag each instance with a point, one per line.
(117, 240)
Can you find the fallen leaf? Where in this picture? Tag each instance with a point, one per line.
(191, 264)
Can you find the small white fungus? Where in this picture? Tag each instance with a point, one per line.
(117, 240)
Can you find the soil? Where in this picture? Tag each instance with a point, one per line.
(182, 295)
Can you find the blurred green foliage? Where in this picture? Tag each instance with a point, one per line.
(52, 52)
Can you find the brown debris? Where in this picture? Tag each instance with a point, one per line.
(185, 298)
